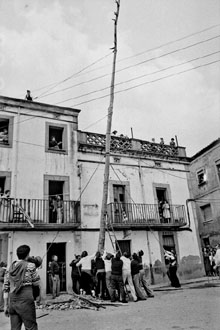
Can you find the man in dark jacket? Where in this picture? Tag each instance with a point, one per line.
(116, 278)
(55, 276)
(75, 274)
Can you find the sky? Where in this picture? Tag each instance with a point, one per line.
(167, 70)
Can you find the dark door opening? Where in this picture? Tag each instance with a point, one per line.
(161, 197)
(58, 249)
(2, 184)
(125, 246)
(55, 189)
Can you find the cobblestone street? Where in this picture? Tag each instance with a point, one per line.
(195, 306)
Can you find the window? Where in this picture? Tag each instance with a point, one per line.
(201, 177)
(56, 138)
(125, 246)
(119, 193)
(218, 168)
(6, 124)
(206, 212)
(168, 241)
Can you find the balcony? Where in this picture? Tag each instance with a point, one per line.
(125, 215)
(19, 214)
(88, 141)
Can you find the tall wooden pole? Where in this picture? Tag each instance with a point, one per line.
(101, 243)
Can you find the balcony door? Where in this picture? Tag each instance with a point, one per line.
(56, 191)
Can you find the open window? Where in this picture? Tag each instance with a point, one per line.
(56, 138)
(6, 124)
(201, 177)
(218, 169)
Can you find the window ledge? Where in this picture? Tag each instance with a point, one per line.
(202, 183)
(207, 221)
(5, 145)
(57, 151)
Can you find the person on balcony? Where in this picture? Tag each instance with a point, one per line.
(58, 208)
(5, 206)
(166, 212)
(172, 143)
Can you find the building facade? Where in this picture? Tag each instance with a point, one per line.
(205, 191)
(143, 175)
(38, 162)
(54, 175)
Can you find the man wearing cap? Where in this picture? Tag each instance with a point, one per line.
(18, 292)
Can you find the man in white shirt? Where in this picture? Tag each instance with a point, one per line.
(126, 274)
(217, 259)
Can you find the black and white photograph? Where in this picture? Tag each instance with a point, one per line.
(109, 164)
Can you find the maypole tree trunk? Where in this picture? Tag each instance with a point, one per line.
(101, 243)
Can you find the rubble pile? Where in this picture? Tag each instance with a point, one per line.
(68, 302)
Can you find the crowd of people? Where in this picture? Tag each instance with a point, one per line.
(211, 258)
(106, 276)
(110, 276)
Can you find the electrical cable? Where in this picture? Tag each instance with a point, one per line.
(147, 225)
(146, 83)
(134, 65)
(142, 76)
(73, 75)
(141, 53)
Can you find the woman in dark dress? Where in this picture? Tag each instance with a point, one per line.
(171, 263)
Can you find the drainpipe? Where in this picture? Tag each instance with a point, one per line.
(187, 209)
(147, 234)
(16, 153)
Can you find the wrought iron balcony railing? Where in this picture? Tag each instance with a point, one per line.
(39, 211)
(130, 214)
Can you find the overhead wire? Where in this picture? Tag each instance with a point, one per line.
(146, 83)
(147, 225)
(142, 76)
(75, 74)
(133, 65)
(158, 47)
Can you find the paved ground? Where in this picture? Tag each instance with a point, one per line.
(195, 306)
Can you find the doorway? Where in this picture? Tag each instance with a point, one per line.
(2, 184)
(58, 249)
(125, 246)
(162, 196)
(55, 189)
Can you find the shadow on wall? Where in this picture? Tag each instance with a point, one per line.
(189, 267)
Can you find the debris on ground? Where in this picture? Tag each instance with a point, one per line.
(74, 301)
